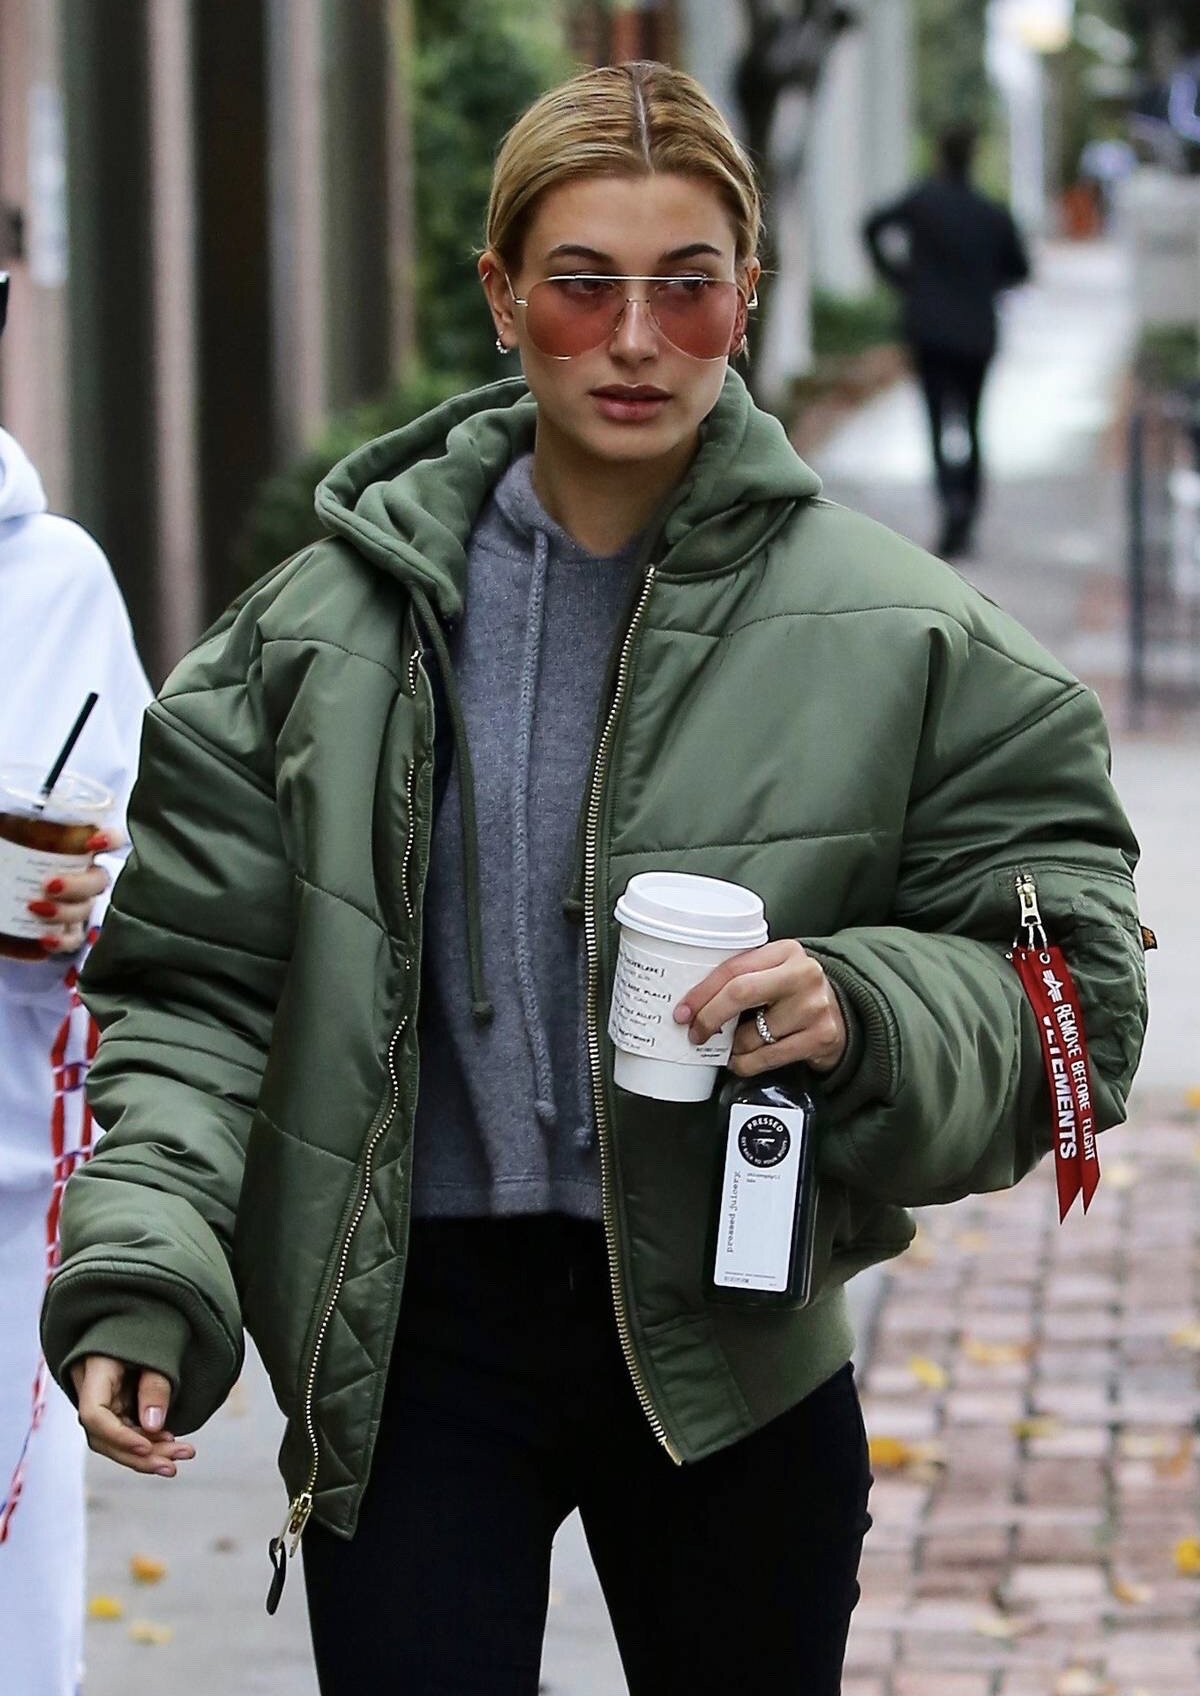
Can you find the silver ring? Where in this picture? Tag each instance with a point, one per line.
(760, 1025)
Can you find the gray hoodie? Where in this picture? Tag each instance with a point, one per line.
(504, 1120)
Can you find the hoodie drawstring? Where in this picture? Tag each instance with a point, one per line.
(482, 1010)
(535, 1030)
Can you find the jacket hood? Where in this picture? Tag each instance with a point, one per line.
(408, 500)
(21, 491)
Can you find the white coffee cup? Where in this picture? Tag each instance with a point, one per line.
(675, 927)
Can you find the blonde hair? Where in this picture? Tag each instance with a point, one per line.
(631, 120)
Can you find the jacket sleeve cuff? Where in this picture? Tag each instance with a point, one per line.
(852, 1055)
(153, 1335)
(866, 1070)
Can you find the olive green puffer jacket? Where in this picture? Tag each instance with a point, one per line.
(800, 702)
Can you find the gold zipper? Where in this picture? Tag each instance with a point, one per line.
(591, 933)
(301, 1506)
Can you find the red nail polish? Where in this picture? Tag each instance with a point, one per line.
(96, 844)
(54, 886)
(49, 943)
(43, 909)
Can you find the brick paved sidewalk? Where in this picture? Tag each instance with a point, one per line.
(1040, 1387)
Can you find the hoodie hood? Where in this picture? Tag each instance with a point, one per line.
(21, 492)
(408, 501)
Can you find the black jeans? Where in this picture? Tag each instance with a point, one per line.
(953, 388)
(509, 1404)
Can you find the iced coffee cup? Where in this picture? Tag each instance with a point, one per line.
(41, 837)
(674, 928)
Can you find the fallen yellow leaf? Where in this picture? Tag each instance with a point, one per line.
(928, 1372)
(1003, 1626)
(1191, 1097)
(145, 1631)
(1187, 1337)
(887, 1454)
(144, 1570)
(893, 1454)
(996, 1354)
(106, 1607)
(1141, 1445)
(1124, 1590)
(1081, 1681)
(1121, 1175)
(1044, 1425)
(972, 1242)
(1187, 1556)
(1177, 1461)
(920, 1251)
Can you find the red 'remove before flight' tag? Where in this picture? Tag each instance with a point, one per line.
(1047, 981)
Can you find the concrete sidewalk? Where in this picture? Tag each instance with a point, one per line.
(997, 1298)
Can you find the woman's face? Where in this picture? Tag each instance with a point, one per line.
(635, 396)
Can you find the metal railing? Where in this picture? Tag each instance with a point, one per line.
(1164, 550)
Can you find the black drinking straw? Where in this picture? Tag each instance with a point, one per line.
(64, 753)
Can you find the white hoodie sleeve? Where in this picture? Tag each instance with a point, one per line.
(65, 631)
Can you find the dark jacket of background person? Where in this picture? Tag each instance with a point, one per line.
(962, 250)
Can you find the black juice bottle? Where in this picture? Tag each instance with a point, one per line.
(760, 1242)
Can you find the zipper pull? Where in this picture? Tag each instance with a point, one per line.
(1030, 922)
(278, 1550)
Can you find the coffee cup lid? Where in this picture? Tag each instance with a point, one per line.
(682, 907)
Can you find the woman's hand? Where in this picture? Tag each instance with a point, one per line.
(65, 904)
(123, 1409)
(799, 1007)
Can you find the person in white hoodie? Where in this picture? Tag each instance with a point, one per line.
(63, 631)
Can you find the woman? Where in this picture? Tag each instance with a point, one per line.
(64, 631)
(616, 606)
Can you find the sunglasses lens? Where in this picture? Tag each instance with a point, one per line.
(571, 315)
(566, 316)
(696, 316)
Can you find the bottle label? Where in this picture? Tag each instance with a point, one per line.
(759, 1195)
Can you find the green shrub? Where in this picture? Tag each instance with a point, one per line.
(282, 519)
(476, 69)
(844, 326)
(1169, 357)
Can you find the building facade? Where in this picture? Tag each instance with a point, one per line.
(205, 213)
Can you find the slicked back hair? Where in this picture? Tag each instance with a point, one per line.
(632, 120)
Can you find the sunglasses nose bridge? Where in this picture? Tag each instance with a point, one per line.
(625, 322)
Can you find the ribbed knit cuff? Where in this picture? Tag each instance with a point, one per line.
(153, 1334)
(866, 1072)
(856, 1043)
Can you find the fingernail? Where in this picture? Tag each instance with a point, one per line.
(49, 943)
(42, 909)
(165, 1471)
(97, 843)
(152, 1418)
(54, 886)
(683, 1013)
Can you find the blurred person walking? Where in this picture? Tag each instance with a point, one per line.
(950, 251)
(63, 632)
(355, 1075)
